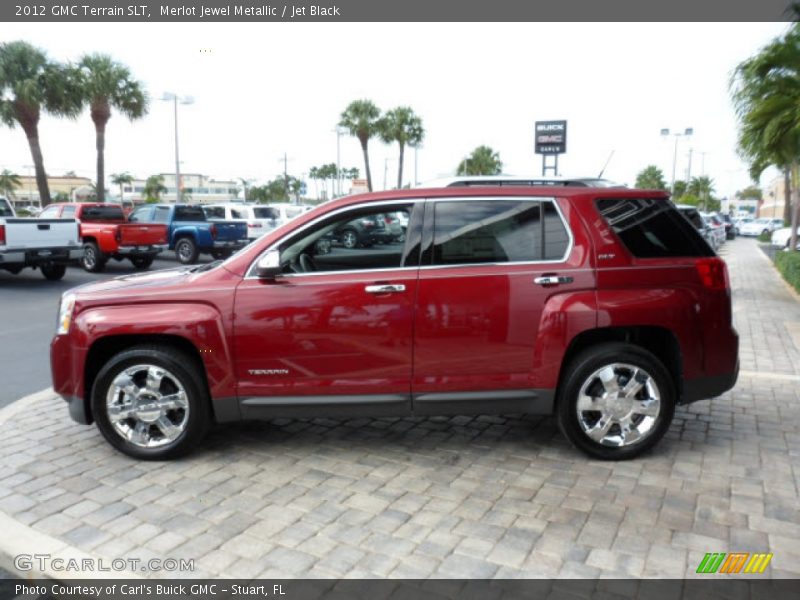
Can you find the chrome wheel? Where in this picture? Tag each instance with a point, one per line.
(185, 251)
(349, 239)
(147, 406)
(618, 405)
(89, 257)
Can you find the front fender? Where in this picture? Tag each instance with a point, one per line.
(199, 324)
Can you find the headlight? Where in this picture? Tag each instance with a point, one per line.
(65, 313)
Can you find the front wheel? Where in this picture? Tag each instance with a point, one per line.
(150, 403)
(54, 272)
(616, 402)
(186, 251)
(349, 239)
(93, 260)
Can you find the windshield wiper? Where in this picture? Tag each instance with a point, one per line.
(205, 267)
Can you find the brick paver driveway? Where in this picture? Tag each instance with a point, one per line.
(440, 497)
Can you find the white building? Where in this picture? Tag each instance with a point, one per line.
(196, 188)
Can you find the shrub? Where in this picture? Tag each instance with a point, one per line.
(788, 264)
(765, 237)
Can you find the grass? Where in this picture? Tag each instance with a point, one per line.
(765, 237)
(788, 264)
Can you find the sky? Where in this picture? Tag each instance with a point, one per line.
(262, 90)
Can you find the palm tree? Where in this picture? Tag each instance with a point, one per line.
(702, 188)
(482, 161)
(121, 179)
(766, 93)
(108, 84)
(154, 187)
(360, 118)
(9, 182)
(401, 125)
(29, 84)
(651, 178)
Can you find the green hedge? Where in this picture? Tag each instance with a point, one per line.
(788, 264)
(765, 237)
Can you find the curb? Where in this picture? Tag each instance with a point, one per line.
(19, 539)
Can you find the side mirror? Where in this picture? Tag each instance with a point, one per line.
(269, 265)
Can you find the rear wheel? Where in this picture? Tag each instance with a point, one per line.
(186, 251)
(150, 403)
(93, 259)
(616, 402)
(221, 254)
(349, 239)
(142, 262)
(53, 272)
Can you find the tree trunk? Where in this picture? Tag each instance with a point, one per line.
(366, 164)
(100, 114)
(795, 206)
(400, 168)
(32, 133)
(787, 196)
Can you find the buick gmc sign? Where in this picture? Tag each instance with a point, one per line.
(551, 137)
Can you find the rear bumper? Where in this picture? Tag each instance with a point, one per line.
(40, 256)
(704, 388)
(150, 250)
(231, 244)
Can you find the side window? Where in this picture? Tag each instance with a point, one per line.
(161, 214)
(214, 212)
(68, 212)
(237, 213)
(51, 212)
(357, 239)
(140, 215)
(652, 228)
(497, 231)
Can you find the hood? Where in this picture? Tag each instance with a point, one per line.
(137, 281)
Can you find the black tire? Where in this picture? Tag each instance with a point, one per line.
(221, 254)
(349, 238)
(53, 272)
(93, 260)
(186, 251)
(196, 419)
(142, 262)
(580, 373)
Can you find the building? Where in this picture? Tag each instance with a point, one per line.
(196, 188)
(774, 201)
(67, 187)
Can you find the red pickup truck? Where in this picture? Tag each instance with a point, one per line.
(106, 234)
(602, 307)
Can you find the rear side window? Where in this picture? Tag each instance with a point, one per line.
(190, 213)
(652, 228)
(497, 231)
(214, 212)
(265, 212)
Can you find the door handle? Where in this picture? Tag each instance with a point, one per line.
(552, 280)
(386, 288)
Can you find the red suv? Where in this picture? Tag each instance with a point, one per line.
(603, 307)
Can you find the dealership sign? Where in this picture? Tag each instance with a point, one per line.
(551, 137)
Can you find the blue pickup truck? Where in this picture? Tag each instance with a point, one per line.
(190, 233)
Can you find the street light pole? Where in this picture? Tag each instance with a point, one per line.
(665, 132)
(167, 96)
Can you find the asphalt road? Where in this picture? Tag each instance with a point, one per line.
(28, 306)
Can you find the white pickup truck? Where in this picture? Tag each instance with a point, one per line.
(48, 244)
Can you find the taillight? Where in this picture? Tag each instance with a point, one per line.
(2, 235)
(713, 273)
(213, 230)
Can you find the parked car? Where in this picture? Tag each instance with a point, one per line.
(602, 307)
(699, 223)
(190, 233)
(260, 219)
(46, 244)
(717, 229)
(106, 234)
(364, 231)
(516, 181)
(287, 212)
(781, 237)
(740, 222)
(761, 226)
(730, 230)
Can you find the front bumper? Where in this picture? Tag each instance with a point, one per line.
(66, 369)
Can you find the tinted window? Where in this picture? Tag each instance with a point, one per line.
(238, 213)
(190, 213)
(265, 212)
(102, 213)
(5, 209)
(214, 212)
(652, 228)
(497, 231)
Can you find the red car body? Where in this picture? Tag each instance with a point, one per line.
(474, 338)
(111, 234)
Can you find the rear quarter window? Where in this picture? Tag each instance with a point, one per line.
(190, 213)
(652, 228)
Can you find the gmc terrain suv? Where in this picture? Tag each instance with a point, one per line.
(601, 306)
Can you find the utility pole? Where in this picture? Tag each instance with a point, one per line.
(689, 168)
(385, 171)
